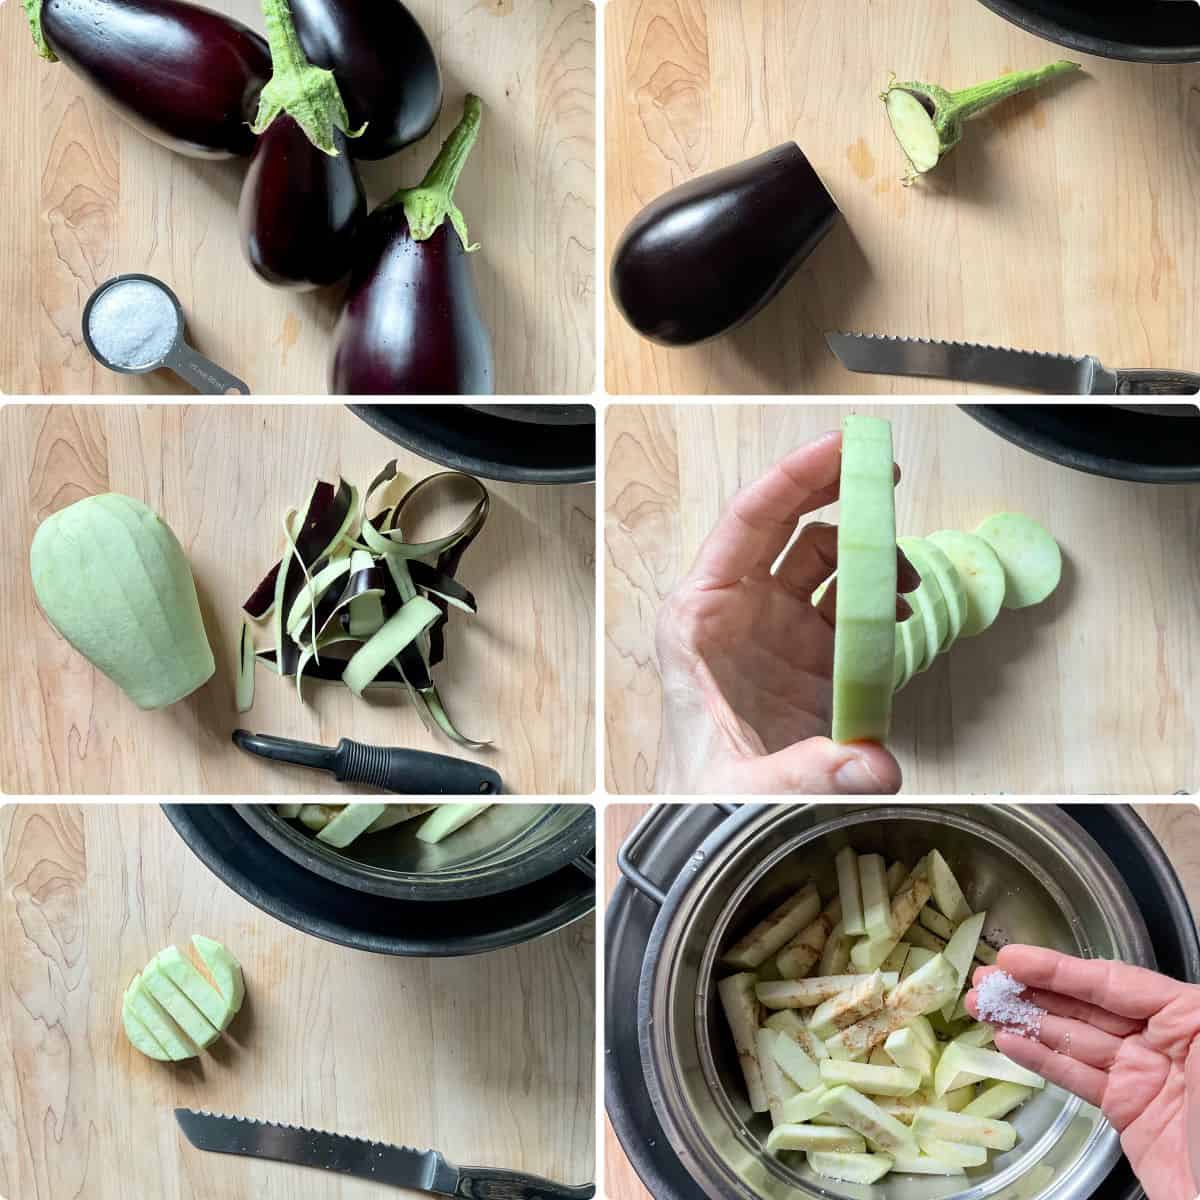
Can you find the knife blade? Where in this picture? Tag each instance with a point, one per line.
(378, 1162)
(1026, 370)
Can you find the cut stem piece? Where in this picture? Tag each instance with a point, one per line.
(928, 120)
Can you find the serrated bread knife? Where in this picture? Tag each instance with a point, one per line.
(1023, 370)
(394, 1166)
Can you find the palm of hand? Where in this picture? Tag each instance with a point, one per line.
(767, 650)
(1147, 1098)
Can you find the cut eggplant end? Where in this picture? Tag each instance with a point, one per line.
(912, 123)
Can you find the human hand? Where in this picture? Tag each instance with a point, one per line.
(747, 660)
(1124, 1039)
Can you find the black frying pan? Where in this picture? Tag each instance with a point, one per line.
(524, 443)
(1143, 444)
(1154, 31)
(271, 881)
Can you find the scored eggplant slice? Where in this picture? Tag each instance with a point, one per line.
(353, 602)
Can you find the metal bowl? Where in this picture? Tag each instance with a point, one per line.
(507, 847)
(1156, 445)
(1041, 879)
(1153, 31)
(290, 893)
(479, 441)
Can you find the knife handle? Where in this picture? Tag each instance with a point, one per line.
(412, 772)
(492, 1183)
(1157, 383)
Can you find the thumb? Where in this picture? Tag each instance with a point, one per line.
(818, 766)
(1191, 1113)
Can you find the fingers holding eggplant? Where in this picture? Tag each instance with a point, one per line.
(187, 77)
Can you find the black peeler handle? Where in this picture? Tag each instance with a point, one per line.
(412, 772)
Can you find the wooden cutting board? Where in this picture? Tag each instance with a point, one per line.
(519, 672)
(488, 1059)
(1096, 690)
(86, 197)
(1065, 221)
(1177, 828)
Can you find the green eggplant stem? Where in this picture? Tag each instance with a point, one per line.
(928, 120)
(33, 14)
(308, 94)
(970, 102)
(428, 204)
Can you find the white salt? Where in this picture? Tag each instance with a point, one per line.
(999, 999)
(133, 324)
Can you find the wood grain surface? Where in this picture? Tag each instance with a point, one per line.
(1096, 690)
(520, 672)
(1063, 222)
(1177, 827)
(86, 197)
(488, 1059)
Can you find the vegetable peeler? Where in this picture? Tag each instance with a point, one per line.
(389, 768)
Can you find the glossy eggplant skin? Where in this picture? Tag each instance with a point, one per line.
(411, 323)
(706, 256)
(384, 66)
(187, 77)
(301, 210)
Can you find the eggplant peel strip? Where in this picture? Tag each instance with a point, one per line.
(348, 578)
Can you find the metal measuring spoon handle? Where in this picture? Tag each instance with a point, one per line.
(202, 373)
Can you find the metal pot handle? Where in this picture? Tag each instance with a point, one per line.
(627, 862)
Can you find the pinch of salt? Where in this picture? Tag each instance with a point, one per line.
(999, 1001)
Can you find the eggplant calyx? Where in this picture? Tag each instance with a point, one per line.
(928, 120)
(429, 204)
(308, 94)
(33, 13)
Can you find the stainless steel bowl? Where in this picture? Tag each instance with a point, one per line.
(507, 847)
(1042, 880)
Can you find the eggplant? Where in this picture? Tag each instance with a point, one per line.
(301, 209)
(187, 77)
(706, 256)
(302, 202)
(384, 66)
(411, 323)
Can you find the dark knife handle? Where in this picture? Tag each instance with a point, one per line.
(412, 772)
(492, 1183)
(1157, 383)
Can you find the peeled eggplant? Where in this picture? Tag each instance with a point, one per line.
(706, 256)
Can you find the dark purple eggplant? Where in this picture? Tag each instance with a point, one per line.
(301, 208)
(411, 323)
(185, 76)
(384, 66)
(706, 256)
(303, 203)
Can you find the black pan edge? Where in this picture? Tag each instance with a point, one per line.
(1038, 429)
(287, 892)
(560, 851)
(1044, 27)
(464, 439)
